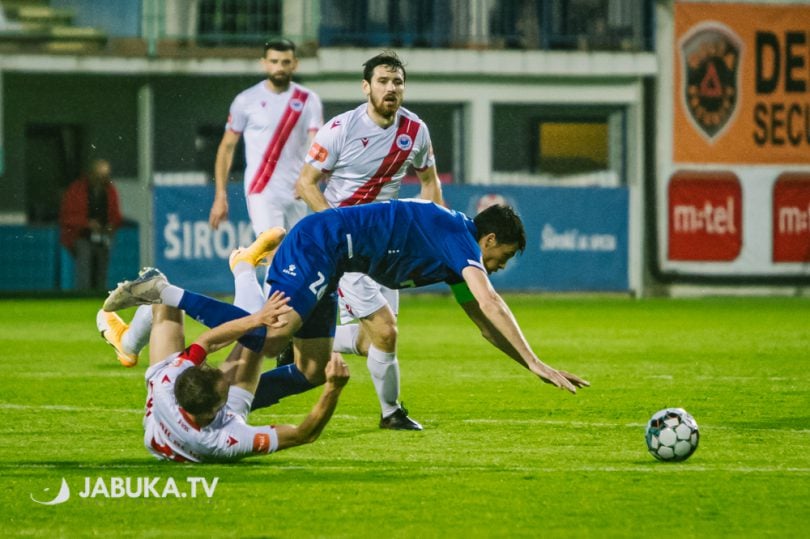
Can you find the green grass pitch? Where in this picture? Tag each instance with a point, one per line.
(501, 455)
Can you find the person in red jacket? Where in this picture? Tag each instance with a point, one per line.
(88, 218)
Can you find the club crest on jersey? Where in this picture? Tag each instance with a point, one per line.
(404, 142)
(296, 104)
(710, 60)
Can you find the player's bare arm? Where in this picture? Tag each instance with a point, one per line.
(308, 190)
(222, 169)
(488, 331)
(270, 315)
(496, 320)
(431, 185)
(337, 375)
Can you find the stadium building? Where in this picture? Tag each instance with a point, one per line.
(651, 146)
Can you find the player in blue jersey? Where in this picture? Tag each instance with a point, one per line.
(399, 244)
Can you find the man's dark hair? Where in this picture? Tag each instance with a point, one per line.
(279, 44)
(385, 58)
(504, 222)
(196, 389)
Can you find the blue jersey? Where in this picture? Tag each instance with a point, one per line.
(398, 243)
(409, 243)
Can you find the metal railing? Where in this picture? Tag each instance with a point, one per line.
(613, 25)
(621, 25)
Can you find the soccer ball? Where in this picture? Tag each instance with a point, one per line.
(672, 434)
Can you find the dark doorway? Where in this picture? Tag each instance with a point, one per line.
(52, 161)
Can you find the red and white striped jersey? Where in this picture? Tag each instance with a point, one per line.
(170, 432)
(276, 131)
(366, 162)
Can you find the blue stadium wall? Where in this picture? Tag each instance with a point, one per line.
(577, 238)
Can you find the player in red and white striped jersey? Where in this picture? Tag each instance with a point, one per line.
(278, 119)
(196, 413)
(365, 153)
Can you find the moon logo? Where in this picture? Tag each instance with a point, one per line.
(62, 497)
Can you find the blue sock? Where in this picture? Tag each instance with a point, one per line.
(212, 313)
(279, 383)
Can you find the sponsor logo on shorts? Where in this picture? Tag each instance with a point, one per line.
(290, 270)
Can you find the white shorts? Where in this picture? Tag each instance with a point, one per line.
(359, 296)
(267, 210)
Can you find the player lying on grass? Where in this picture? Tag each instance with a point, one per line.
(399, 244)
(197, 413)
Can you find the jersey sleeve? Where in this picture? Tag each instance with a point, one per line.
(423, 157)
(239, 401)
(460, 251)
(168, 369)
(238, 439)
(314, 112)
(325, 149)
(237, 116)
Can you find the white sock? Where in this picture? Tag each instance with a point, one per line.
(346, 339)
(171, 295)
(384, 369)
(247, 292)
(262, 276)
(137, 336)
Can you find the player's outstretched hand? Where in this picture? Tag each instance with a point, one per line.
(272, 314)
(561, 379)
(574, 379)
(337, 371)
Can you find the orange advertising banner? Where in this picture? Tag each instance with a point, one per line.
(741, 83)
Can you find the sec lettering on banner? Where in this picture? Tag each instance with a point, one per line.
(781, 69)
(782, 124)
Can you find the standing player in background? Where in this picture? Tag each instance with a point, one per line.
(365, 153)
(278, 118)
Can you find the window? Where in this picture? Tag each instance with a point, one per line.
(571, 147)
(548, 144)
(238, 22)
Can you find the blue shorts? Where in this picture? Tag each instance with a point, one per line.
(305, 268)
